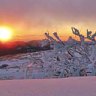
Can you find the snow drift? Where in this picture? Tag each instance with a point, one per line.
(49, 87)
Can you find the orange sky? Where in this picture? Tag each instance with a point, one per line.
(29, 19)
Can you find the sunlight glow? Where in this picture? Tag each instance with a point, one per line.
(5, 34)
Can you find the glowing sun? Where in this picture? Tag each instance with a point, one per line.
(5, 33)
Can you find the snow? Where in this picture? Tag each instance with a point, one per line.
(85, 86)
(46, 64)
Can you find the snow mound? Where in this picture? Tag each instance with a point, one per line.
(49, 87)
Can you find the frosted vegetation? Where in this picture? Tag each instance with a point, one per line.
(66, 59)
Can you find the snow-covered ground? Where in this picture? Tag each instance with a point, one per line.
(45, 64)
(49, 87)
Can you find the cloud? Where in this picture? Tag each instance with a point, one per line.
(34, 13)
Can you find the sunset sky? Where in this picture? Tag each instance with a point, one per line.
(29, 19)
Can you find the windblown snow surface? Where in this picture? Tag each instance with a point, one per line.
(85, 86)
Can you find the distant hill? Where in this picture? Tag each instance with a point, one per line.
(21, 47)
